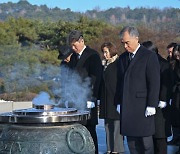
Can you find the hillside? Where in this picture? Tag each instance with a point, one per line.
(168, 18)
(30, 37)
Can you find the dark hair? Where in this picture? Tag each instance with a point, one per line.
(175, 49)
(112, 48)
(172, 44)
(150, 46)
(174, 60)
(74, 35)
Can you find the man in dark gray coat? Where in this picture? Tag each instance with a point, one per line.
(139, 85)
(87, 63)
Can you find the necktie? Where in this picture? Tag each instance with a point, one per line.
(131, 56)
(77, 58)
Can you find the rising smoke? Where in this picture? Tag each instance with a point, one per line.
(43, 99)
(64, 84)
(74, 90)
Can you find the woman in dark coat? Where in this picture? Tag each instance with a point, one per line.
(108, 111)
(175, 63)
(162, 116)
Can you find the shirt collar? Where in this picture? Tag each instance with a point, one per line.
(134, 52)
(82, 51)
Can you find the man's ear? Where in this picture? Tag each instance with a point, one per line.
(137, 38)
(82, 40)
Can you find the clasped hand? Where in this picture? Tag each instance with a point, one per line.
(162, 104)
(118, 108)
(150, 111)
(90, 104)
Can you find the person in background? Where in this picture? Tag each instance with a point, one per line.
(139, 85)
(108, 111)
(87, 63)
(162, 116)
(175, 64)
(170, 49)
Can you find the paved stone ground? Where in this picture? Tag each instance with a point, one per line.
(102, 141)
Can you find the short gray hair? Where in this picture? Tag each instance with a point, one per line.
(131, 30)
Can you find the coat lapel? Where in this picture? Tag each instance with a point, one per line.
(136, 58)
(82, 58)
(85, 55)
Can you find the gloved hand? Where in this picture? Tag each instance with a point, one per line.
(98, 102)
(150, 111)
(162, 104)
(170, 101)
(90, 104)
(118, 108)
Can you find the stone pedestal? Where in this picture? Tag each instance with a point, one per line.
(44, 139)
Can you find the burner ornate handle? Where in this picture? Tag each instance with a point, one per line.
(72, 145)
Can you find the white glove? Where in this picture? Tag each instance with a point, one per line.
(150, 111)
(98, 102)
(118, 108)
(162, 104)
(170, 101)
(90, 104)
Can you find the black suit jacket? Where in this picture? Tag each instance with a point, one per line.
(89, 65)
(139, 87)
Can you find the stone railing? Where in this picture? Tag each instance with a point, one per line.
(8, 106)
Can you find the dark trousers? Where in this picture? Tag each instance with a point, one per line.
(140, 145)
(160, 145)
(92, 130)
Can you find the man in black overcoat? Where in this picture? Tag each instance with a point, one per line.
(139, 85)
(87, 63)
